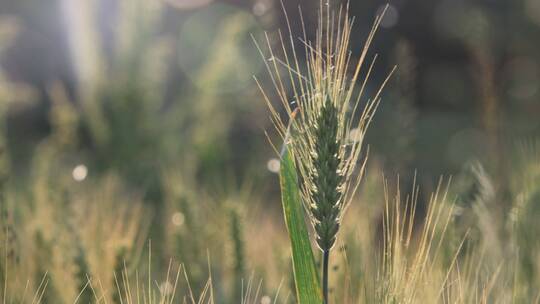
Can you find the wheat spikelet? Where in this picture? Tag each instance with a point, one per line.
(326, 177)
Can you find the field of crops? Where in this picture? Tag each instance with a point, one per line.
(260, 151)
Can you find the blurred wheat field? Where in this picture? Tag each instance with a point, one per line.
(135, 163)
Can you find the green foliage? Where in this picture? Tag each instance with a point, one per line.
(306, 277)
(83, 276)
(237, 239)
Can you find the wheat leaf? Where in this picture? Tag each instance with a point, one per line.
(306, 279)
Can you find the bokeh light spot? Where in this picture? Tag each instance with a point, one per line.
(79, 172)
(391, 16)
(260, 7)
(273, 165)
(355, 135)
(166, 288)
(178, 219)
(266, 300)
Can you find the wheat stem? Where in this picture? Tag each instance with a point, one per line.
(326, 258)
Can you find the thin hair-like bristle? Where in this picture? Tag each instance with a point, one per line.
(322, 86)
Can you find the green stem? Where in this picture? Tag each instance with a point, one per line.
(326, 257)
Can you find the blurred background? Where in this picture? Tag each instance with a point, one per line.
(147, 111)
(172, 80)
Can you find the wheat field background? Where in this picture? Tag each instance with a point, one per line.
(208, 151)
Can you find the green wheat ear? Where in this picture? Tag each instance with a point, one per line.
(326, 177)
(325, 141)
